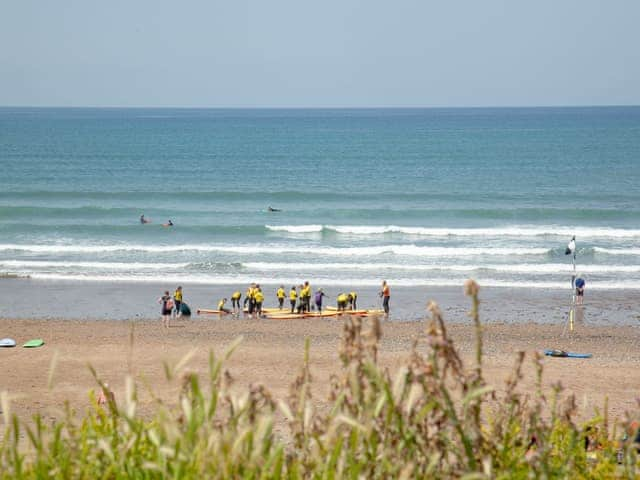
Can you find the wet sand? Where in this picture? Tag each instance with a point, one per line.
(271, 353)
(42, 299)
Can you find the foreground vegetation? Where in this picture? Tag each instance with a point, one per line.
(435, 418)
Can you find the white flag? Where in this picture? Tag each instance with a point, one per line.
(571, 247)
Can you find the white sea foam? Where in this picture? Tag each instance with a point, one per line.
(531, 268)
(543, 268)
(514, 231)
(411, 250)
(617, 251)
(90, 265)
(332, 282)
(295, 228)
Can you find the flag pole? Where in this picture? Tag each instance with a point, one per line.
(572, 312)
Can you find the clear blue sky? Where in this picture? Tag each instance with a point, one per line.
(299, 53)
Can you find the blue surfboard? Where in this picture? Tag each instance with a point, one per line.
(563, 354)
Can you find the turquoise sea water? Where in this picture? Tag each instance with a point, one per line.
(419, 197)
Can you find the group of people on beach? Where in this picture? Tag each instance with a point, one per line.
(300, 301)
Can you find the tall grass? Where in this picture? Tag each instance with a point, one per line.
(434, 418)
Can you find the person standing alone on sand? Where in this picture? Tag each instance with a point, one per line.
(167, 308)
(579, 282)
(385, 294)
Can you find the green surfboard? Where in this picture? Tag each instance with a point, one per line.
(36, 342)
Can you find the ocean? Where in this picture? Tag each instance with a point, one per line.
(419, 197)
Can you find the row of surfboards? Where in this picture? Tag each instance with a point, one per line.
(10, 342)
(277, 314)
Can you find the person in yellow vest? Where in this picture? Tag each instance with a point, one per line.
(293, 297)
(353, 296)
(300, 307)
(281, 294)
(221, 306)
(177, 301)
(306, 295)
(235, 301)
(258, 298)
(250, 299)
(342, 300)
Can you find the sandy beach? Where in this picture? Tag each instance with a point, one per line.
(271, 353)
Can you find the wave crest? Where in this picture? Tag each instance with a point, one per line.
(514, 231)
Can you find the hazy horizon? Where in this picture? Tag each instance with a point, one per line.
(352, 54)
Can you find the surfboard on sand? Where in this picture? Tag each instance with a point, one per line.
(286, 316)
(322, 314)
(209, 311)
(36, 342)
(7, 342)
(359, 312)
(269, 310)
(562, 353)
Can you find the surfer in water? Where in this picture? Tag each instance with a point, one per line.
(168, 224)
(271, 209)
(144, 220)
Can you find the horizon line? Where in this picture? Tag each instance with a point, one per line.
(344, 107)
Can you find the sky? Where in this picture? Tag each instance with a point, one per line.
(329, 53)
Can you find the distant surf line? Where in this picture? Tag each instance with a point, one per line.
(542, 268)
(511, 231)
(406, 250)
(327, 282)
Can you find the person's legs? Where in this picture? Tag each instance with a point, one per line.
(385, 306)
(293, 305)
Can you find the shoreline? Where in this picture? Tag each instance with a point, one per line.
(43, 299)
(271, 353)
